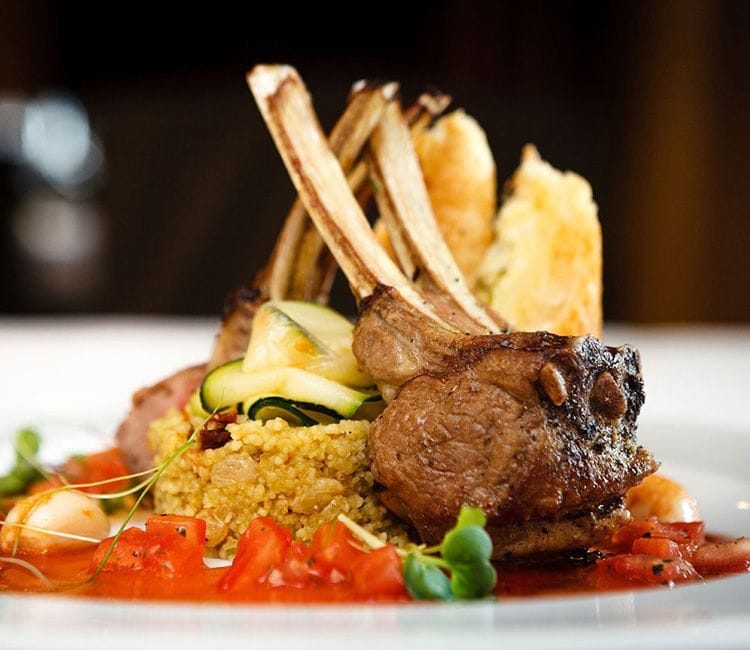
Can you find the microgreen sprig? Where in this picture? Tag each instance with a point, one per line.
(462, 571)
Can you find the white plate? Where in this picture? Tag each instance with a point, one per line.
(73, 379)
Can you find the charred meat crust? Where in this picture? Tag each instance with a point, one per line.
(550, 538)
(529, 426)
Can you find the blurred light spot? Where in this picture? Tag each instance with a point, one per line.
(56, 138)
(54, 230)
(12, 112)
(743, 505)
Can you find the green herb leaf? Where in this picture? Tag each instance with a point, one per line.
(24, 472)
(10, 484)
(469, 544)
(473, 580)
(466, 550)
(425, 581)
(470, 516)
(27, 445)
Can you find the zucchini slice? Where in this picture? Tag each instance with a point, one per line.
(268, 408)
(228, 385)
(304, 335)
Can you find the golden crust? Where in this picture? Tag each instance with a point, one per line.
(459, 173)
(544, 270)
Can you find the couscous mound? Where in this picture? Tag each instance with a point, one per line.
(303, 477)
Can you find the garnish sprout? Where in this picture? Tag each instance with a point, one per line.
(461, 572)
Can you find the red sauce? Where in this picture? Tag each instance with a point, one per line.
(161, 564)
(70, 573)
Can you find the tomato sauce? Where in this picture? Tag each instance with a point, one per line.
(70, 574)
(165, 563)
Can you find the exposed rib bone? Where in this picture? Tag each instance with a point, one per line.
(296, 252)
(346, 141)
(407, 213)
(315, 283)
(287, 110)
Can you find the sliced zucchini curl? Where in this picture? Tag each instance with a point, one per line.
(298, 366)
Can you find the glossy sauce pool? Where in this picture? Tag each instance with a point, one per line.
(69, 572)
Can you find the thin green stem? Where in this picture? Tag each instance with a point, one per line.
(163, 468)
(50, 531)
(431, 559)
(366, 536)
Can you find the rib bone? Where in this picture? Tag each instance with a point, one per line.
(295, 253)
(287, 109)
(346, 141)
(316, 284)
(413, 230)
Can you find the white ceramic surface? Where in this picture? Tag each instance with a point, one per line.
(73, 378)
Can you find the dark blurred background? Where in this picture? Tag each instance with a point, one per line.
(136, 174)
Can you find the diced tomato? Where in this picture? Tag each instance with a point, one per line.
(172, 555)
(297, 568)
(267, 558)
(664, 549)
(688, 535)
(160, 549)
(261, 549)
(335, 550)
(98, 467)
(191, 528)
(127, 554)
(724, 557)
(378, 573)
(646, 569)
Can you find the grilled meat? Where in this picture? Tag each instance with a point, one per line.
(533, 428)
(536, 429)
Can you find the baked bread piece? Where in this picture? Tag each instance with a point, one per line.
(544, 269)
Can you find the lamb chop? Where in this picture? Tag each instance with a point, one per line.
(538, 430)
(299, 268)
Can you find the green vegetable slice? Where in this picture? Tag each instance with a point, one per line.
(229, 385)
(296, 334)
(268, 408)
